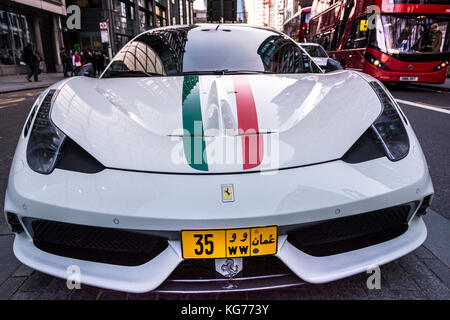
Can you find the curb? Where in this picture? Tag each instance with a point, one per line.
(25, 89)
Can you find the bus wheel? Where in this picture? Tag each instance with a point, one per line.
(342, 63)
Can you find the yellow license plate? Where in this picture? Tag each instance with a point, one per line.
(228, 243)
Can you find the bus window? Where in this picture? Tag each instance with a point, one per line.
(358, 36)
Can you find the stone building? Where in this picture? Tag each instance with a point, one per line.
(34, 21)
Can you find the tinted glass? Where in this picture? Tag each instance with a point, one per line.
(315, 51)
(407, 34)
(207, 49)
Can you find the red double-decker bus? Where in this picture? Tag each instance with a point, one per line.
(408, 40)
(297, 26)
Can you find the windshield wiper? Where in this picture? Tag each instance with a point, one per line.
(223, 72)
(247, 71)
(132, 73)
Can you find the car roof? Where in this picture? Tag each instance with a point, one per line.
(214, 25)
(309, 44)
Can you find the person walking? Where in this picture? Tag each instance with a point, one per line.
(64, 60)
(97, 62)
(30, 58)
(101, 62)
(83, 58)
(70, 63)
(76, 60)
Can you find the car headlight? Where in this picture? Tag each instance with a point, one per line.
(388, 128)
(45, 140)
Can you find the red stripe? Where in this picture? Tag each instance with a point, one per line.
(252, 143)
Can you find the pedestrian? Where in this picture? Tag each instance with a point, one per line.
(30, 58)
(70, 63)
(64, 58)
(97, 65)
(41, 64)
(101, 62)
(76, 60)
(83, 58)
(66, 61)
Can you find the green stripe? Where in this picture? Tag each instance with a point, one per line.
(193, 138)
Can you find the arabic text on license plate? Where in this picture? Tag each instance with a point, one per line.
(228, 243)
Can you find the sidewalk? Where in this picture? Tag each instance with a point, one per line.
(19, 82)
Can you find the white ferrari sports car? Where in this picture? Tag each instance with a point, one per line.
(211, 158)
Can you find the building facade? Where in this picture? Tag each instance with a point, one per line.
(200, 15)
(124, 20)
(272, 13)
(265, 13)
(30, 21)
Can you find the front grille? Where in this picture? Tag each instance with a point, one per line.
(258, 273)
(350, 233)
(106, 245)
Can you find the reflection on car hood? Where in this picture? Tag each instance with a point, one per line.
(239, 122)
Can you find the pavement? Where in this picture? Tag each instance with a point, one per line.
(19, 82)
(423, 274)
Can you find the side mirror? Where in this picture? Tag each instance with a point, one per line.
(333, 65)
(87, 70)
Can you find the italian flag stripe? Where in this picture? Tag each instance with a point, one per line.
(193, 138)
(252, 141)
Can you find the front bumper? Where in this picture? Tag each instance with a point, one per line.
(152, 274)
(394, 76)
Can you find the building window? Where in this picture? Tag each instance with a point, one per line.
(123, 16)
(181, 11)
(145, 15)
(11, 47)
(173, 10)
(161, 15)
(84, 3)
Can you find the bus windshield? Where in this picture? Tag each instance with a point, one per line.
(413, 34)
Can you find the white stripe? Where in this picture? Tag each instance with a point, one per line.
(420, 105)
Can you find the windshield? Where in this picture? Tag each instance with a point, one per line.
(214, 49)
(399, 34)
(315, 51)
(305, 17)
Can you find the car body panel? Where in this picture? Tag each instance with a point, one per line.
(136, 123)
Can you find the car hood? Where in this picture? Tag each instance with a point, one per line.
(240, 123)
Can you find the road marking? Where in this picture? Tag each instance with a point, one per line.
(8, 101)
(9, 105)
(424, 106)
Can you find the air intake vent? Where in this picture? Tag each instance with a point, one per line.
(106, 245)
(353, 232)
